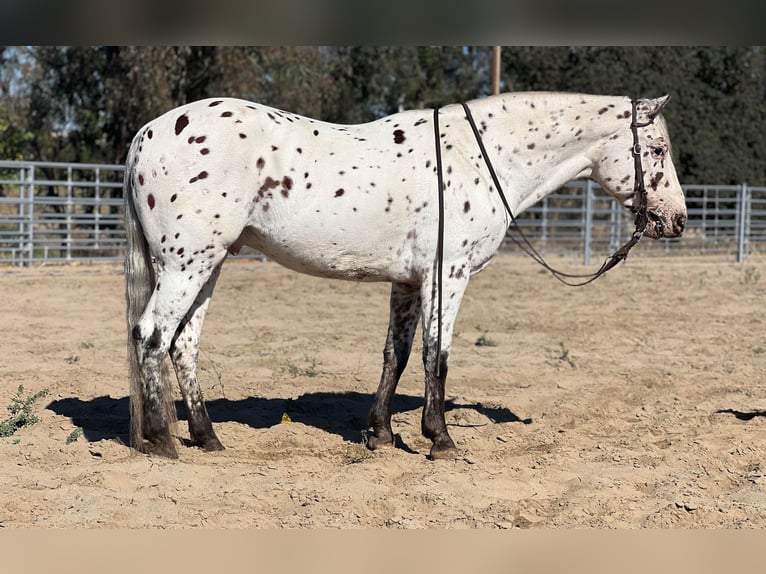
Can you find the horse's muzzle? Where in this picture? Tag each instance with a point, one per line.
(662, 225)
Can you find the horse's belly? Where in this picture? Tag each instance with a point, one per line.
(337, 259)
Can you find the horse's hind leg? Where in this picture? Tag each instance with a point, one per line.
(153, 407)
(403, 321)
(184, 353)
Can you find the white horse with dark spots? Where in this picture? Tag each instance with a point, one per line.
(358, 202)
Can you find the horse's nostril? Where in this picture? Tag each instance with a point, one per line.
(679, 222)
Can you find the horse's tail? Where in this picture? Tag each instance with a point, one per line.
(139, 284)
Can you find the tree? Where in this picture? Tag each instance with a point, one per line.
(717, 97)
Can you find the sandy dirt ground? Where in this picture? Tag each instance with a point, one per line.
(636, 402)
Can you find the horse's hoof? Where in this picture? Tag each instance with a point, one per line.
(212, 444)
(443, 451)
(163, 448)
(376, 442)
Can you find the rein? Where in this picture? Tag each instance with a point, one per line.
(639, 208)
(640, 201)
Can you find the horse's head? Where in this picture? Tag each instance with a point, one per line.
(640, 152)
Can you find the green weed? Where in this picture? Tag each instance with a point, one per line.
(21, 412)
(752, 275)
(309, 371)
(484, 341)
(564, 357)
(74, 435)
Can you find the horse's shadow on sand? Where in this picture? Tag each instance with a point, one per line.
(343, 414)
(742, 415)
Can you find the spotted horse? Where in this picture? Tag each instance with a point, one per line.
(358, 202)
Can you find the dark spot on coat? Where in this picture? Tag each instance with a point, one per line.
(150, 201)
(201, 175)
(531, 146)
(226, 114)
(173, 197)
(215, 103)
(399, 136)
(141, 179)
(149, 134)
(181, 123)
(267, 185)
(603, 111)
(243, 136)
(204, 151)
(339, 192)
(316, 132)
(466, 207)
(180, 252)
(260, 162)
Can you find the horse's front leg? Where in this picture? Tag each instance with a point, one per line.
(436, 361)
(403, 321)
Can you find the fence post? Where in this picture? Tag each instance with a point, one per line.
(97, 209)
(741, 221)
(69, 209)
(31, 215)
(588, 220)
(22, 225)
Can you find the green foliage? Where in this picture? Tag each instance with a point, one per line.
(716, 112)
(308, 371)
(564, 356)
(21, 413)
(74, 435)
(484, 341)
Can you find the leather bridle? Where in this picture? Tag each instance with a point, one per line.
(639, 208)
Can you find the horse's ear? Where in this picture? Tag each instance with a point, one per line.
(657, 105)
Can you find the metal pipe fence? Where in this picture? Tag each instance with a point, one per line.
(61, 212)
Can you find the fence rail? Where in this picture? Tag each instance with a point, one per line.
(60, 212)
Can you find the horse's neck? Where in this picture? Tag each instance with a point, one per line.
(536, 150)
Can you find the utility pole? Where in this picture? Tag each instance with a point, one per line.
(495, 72)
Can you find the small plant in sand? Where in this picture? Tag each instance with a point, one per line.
(21, 412)
(308, 371)
(484, 341)
(74, 435)
(752, 276)
(564, 356)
